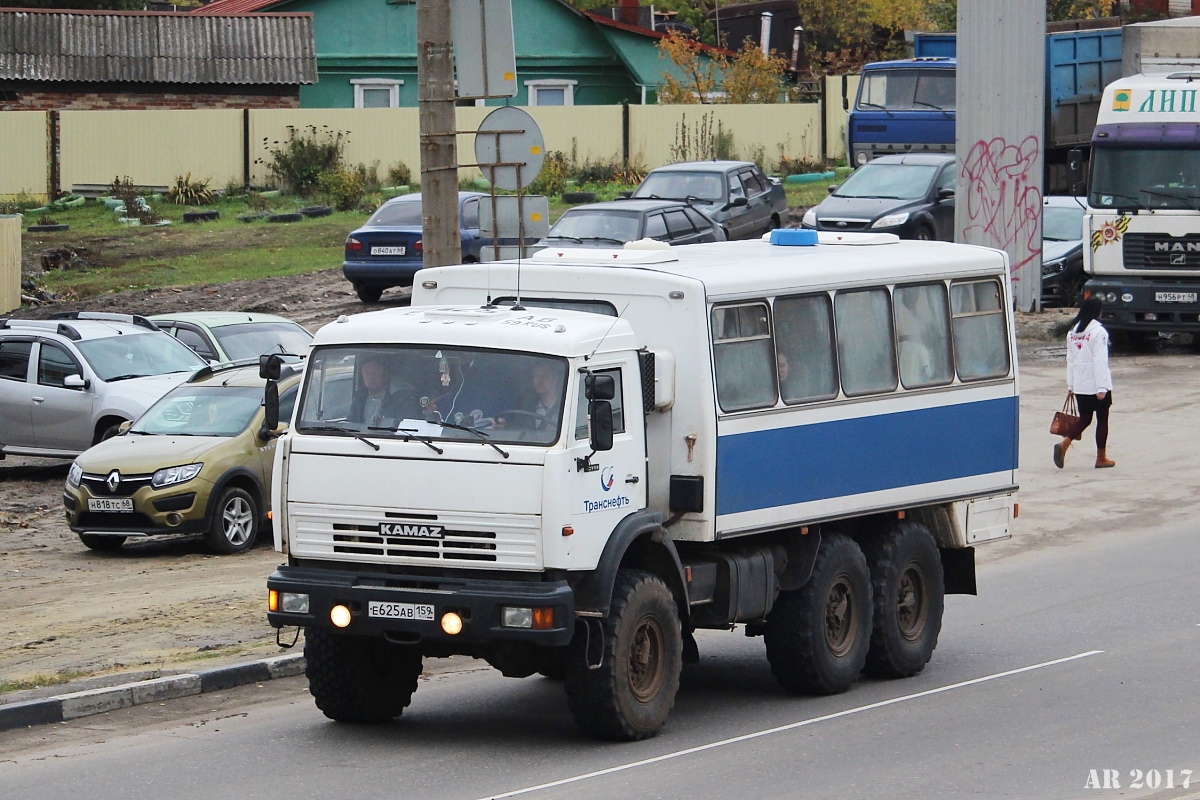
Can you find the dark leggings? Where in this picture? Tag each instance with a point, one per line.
(1088, 405)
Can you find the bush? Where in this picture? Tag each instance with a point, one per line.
(187, 192)
(792, 165)
(135, 207)
(553, 176)
(399, 174)
(299, 161)
(343, 188)
(369, 176)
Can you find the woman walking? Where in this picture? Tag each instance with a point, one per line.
(1088, 379)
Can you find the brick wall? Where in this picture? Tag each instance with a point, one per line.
(42, 98)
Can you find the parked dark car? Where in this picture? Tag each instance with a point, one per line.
(387, 250)
(734, 194)
(1062, 250)
(909, 195)
(613, 224)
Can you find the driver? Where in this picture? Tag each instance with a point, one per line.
(547, 389)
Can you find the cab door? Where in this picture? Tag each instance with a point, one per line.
(62, 416)
(600, 489)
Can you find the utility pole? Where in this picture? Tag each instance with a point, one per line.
(439, 151)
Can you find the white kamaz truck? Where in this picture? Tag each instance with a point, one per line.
(576, 462)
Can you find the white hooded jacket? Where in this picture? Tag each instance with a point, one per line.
(1087, 360)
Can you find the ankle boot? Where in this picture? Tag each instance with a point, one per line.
(1102, 460)
(1060, 451)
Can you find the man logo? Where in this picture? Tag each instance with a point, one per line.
(1178, 259)
(1121, 100)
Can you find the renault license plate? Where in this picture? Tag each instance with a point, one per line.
(110, 504)
(387, 251)
(1175, 297)
(386, 610)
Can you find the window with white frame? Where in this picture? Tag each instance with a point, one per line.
(551, 92)
(376, 93)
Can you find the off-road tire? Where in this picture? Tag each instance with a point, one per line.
(101, 544)
(630, 695)
(909, 594)
(368, 294)
(358, 679)
(817, 636)
(234, 524)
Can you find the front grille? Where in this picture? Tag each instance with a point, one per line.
(469, 539)
(828, 224)
(1161, 251)
(98, 485)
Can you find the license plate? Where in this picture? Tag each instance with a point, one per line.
(110, 504)
(387, 251)
(418, 611)
(1175, 297)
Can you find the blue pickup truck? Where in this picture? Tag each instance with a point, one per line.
(908, 105)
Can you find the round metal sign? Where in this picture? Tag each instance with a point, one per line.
(509, 148)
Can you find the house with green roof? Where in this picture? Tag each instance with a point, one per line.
(367, 55)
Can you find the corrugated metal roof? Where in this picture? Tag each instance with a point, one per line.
(154, 47)
(233, 6)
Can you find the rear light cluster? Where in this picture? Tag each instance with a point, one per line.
(353, 245)
(418, 247)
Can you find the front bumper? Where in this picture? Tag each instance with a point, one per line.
(1133, 305)
(477, 601)
(175, 509)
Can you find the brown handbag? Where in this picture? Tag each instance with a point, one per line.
(1066, 422)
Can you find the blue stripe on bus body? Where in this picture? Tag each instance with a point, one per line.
(782, 466)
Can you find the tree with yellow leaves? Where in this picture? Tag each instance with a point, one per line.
(749, 76)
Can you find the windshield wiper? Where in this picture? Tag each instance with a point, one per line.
(931, 105)
(127, 377)
(480, 434)
(409, 435)
(574, 239)
(1137, 203)
(599, 239)
(365, 440)
(865, 104)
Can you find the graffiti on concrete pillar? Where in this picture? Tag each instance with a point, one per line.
(1003, 199)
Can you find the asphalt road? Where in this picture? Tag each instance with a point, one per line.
(1074, 657)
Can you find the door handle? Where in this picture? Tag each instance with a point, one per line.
(632, 479)
(37, 399)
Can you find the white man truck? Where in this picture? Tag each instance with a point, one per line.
(1141, 248)
(617, 448)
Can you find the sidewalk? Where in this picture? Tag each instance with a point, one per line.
(1154, 401)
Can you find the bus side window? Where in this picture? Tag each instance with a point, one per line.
(923, 335)
(866, 352)
(742, 356)
(804, 341)
(980, 335)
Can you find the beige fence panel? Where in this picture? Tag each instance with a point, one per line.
(587, 133)
(10, 263)
(374, 136)
(791, 129)
(24, 166)
(151, 147)
(836, 115)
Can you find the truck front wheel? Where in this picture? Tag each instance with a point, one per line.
(630, 694)
(359, 679)
(909, 591)
(817, 636)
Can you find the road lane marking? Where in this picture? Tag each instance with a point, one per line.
(791, 726)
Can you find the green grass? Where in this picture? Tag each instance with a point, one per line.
(40, 681)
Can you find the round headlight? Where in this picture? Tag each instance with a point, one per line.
(862, 158)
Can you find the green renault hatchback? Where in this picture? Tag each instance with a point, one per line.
(197, 461)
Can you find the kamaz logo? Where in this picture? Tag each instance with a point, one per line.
(1177, 247)
(412, 531)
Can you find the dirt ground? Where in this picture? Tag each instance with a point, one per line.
(166, 604)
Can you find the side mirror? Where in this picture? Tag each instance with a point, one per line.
(74, 382)
(945, 194)
(600, 414)
(737, 202)
(599, 388)
(271, 406)
(269, 367)
(1075, 168)
(124, 426)
(831, 188)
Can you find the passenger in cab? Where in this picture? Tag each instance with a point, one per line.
(374, 402)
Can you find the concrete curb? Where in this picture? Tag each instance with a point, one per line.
(97, 701)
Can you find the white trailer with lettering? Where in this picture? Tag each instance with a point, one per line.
(584, 458)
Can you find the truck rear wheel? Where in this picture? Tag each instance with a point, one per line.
(359, 679)
(630, 695)
(817, 636)
(909, 591)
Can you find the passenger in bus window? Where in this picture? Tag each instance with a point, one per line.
(805, 341)
(922, 331)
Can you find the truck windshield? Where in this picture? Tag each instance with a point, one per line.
(429, 392)
(1145, 178)
(907, 90)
